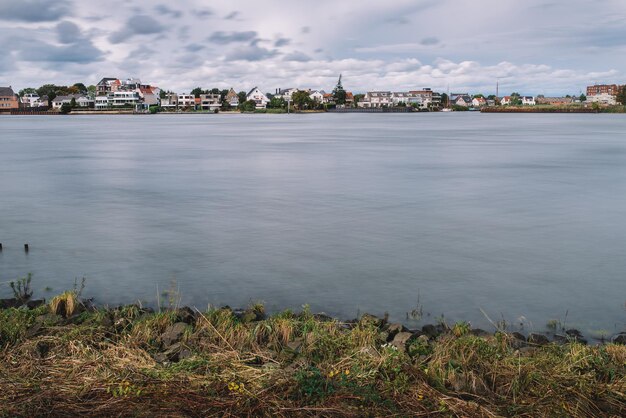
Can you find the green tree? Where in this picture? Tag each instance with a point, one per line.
(242, 97)
(66, 108)
(478, 96)
(27, 90)
(358, 98)
(339, 94)
(73, 103)
(214, 91)
(277, 102)
(91, 91)
(621, 96)
(81, 87)
(248, 106)
(197, 92)
(445, 100)
(582, 98)
(301, 99)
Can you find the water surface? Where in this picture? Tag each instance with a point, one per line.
(517, 215)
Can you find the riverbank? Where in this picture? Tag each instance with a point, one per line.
(68, 357)
(553, 109)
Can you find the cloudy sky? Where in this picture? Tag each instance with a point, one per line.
(532, 46)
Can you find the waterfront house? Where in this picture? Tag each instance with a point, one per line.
(604, 99)
(170, 101)
(408, 98)
(599, 89)
(349, 99)
(479, 102)
(554, 101)
(528, 100)
(31, 100)
(428, 97)
(210, 101)
(8, 99)
(186, 101)
(148, 96)
(80, 99)
(506, 100)
(463, 100)
(258, 97)
(317, 96)
(232, 98)
(376, 99)
(101, 102)
(107, 85)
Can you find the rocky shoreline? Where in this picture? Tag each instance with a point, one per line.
(68, 357)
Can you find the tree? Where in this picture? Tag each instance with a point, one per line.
(66, 108)
(478, 96)
(444, 100)
(91, 91)
(301, 99)
(339, 94)
(621, 96)
(248, 106)
(81, 87)
(73, 103)
(242, 96)
(27, 90)
(358, 98)
(214, 91)
(197, 92)
(492, 97)
(582, 98)
(277, 102)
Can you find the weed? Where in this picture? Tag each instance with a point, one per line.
(21, 289)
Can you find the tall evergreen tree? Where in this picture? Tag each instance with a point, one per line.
(339, 94)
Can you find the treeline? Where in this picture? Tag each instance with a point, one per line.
(52, 91)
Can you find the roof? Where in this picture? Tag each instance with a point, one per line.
(6, 91)
(250, 92)
(231, 94)
(106, 80)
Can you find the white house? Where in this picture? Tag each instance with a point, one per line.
(170, 101)
(317, 96)
(124, 98)
(478, 102)
(603, 99)
(376, 99)
(102, 102)
(33, 100)
(258, 97)
(186, 100)
(506, 100)
(528, 100)
(407, 98)
(81, 101)
(463, 100)
(210, 101)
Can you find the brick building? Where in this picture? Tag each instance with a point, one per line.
(612, 89)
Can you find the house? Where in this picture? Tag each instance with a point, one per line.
(554, 101)
(375, 99)
(408, 98)
(605, 99)
(286, 94)
(317, 96)
(106, 85)
(33, 100)
(186, 100)
(210, 101)
(148, 96)
(232, 98)
(349, 99)
(506, 100)
(8, 99)
(479, 102)
(124, 98)
(464, 100)
(102, 102)
(170, 101)
(258, 97)
(528, 100)
(81, 101)
(429, 98)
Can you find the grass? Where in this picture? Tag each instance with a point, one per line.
(101, 362)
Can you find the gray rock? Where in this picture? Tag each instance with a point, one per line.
(173, 334)
(186, 315)
(480, 333)
(620, 338)
(518, 336)
(430, 330)
(400, 340)
(33, 304)
(9, 303)
(369, 319)
(538, 339)
(394, 329)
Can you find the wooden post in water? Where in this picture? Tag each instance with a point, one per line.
(0, 247)
(25, 248)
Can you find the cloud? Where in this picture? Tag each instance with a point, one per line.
(194, 47)
(80, 52)
(297, 56)
(224, 38)
(232, 15)
(203, 13)
(137, 25)
(166, 11)
(282, 42)
(252, 52)
(429, 41)
(305, 29)
(34, 10)
(68, 32)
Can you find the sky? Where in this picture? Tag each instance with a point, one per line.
(549, 47)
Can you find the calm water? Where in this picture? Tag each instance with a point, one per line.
(517, 215)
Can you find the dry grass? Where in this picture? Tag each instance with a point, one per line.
(102, 364)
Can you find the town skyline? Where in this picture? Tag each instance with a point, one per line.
(398, 45)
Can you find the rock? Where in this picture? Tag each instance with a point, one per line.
(174, 353)
(248, 315)
(173, 334)
(576, 335)
(518, 336)
(186, 315)
(369, 319)
(619, 338)
(480, 333)
(322, 317)
(34, 304)
(431, 331)
(538, 339)
(184, 354)
(394, 329)
(9, 303)
(400, 340)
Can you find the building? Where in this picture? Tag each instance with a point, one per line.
(210, 101)
(258, 97)
(33, 100)
(8, 99)
(429, 97)
(124, 98)
(464, 100)
(479, 102)
(232, 98)
(101, 102)
(81, 101)
(610, 89)
(317, 96)
(376, 99)
(554, 101)
(149, 96)
(528, 100)
(506, 100)
(170, 101)
(186, 100)
(605, 99)
(107, 85)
